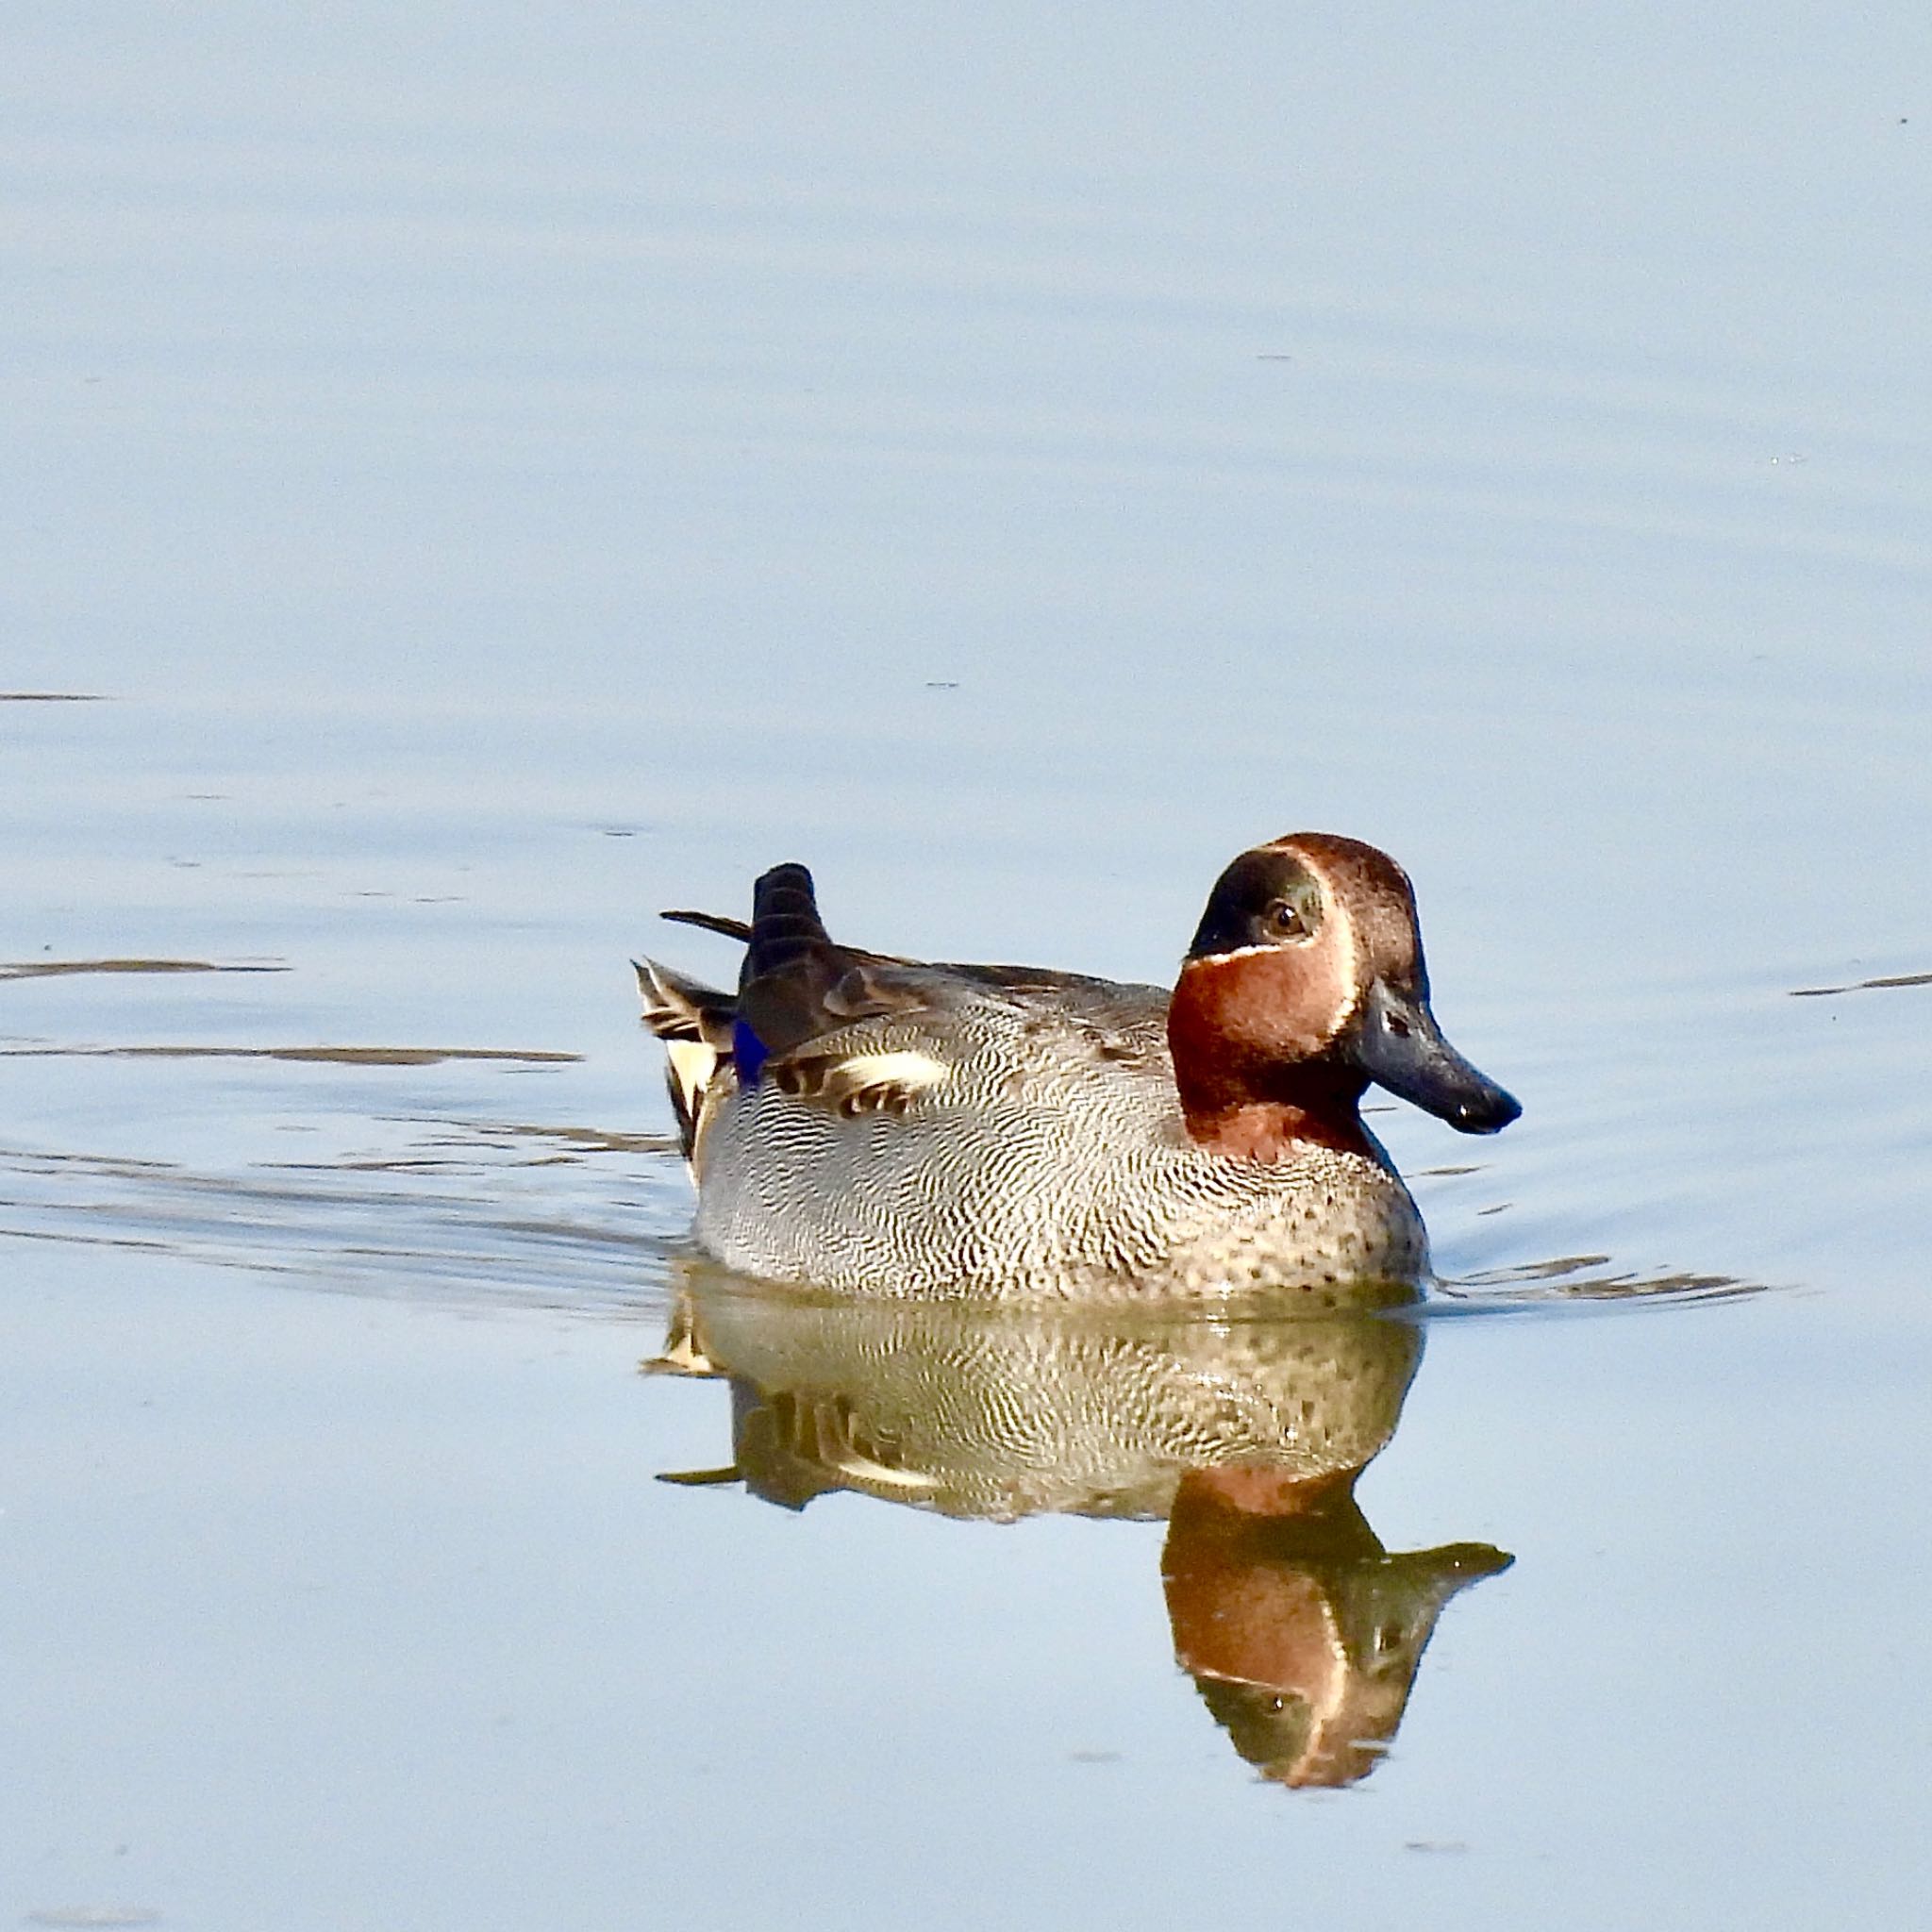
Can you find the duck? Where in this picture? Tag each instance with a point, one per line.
(860, 1123)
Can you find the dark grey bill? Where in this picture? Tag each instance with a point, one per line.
(1399, 1046)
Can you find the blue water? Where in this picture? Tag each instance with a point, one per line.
(495, 476)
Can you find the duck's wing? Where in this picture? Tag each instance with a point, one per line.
(797, 989)
(804, 1002)
(1079, 992)
(1103, 1002)
(863, 1032)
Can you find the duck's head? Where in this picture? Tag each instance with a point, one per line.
(1305, 982)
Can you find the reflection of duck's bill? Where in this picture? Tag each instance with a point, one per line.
(1309, 1665)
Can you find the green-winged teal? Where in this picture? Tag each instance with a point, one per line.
(885, 1125)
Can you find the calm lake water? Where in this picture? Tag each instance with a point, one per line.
(478, 478)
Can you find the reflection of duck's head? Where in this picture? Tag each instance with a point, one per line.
(1003, 1413)
(1302, 1633)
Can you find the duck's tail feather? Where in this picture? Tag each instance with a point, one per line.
(694, 1022)
(679, 1007)
(726, 927)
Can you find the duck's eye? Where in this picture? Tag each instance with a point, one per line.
(1287, 921)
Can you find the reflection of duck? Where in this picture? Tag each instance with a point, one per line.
(1302, 1633)
(975, 1411)
(867, 1123)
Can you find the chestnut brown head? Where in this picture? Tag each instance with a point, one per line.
(1305, 982)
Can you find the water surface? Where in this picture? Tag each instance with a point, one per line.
(476, 482)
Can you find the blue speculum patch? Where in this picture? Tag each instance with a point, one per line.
(747, 1053)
